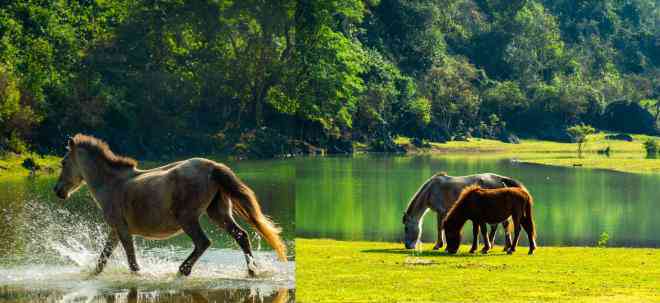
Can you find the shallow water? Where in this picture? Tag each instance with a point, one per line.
(364, 197)
(49, 249)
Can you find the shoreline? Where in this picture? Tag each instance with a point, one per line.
(624, 156)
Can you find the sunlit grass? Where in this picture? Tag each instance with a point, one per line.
(339, 271)
(11, 165)
(624, 156)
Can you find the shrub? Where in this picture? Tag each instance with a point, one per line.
(603, 239)
(651, 147)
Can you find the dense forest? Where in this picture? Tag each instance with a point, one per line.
(265, 77)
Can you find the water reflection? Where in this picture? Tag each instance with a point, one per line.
(137, 295)
(363, 198)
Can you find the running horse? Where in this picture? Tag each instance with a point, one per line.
(162, 202)
(439, 193)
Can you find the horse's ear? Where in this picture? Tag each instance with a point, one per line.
(403, 219)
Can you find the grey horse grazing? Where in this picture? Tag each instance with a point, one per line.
(439, 193)
(162, 202)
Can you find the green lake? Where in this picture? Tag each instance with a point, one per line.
(363, 198)
(50, 246)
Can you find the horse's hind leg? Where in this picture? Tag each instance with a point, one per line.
(528, 225)
(220, 213)
(195, 232)
(108, 248)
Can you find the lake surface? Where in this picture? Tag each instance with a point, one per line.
(364, 197)
(49, 247)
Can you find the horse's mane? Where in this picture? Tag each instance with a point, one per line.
(99, 148)
(462, 197)
(441, 174)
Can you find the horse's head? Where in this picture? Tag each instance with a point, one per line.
(412, 231)
(71, 177)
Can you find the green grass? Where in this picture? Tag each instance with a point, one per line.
(340, 271)
(624, 156)
(11, 165)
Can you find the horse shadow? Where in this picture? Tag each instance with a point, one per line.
(434, 253)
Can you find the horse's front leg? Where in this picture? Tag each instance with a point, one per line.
(493, 232)
(440, 242)
(126, 240)
(517, 228)
(507, 233)
(194, 231)
(484, 234)
(110, 245)
(475, 237)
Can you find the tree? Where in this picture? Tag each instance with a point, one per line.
(579, 133)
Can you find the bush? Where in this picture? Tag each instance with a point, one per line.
(603, 239)
(628, 117)
(16, 145)
(651, 147)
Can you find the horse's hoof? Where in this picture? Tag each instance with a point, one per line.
(251, 273)
(531, 252)
(184, 272)
(472, 251)
(484, 251)
(509, 252)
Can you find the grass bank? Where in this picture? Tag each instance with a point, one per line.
(12, 165)
(339, 271)
(624, 156)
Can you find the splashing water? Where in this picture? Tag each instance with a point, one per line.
(57, 251)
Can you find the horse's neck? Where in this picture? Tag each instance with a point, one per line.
(98, 174)
(418, 211)
(457, 220)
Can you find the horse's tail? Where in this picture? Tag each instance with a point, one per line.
(527, 211)
(248, 208)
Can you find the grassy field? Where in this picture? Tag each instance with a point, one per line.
(339, 271)
(624, 156)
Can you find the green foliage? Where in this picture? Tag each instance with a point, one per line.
(603, 239)
(421, 108)
(166, 77)
(580, 133)
(651, 146)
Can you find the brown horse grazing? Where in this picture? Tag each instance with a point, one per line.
(162, 202)
(439, 193)
(482, 205)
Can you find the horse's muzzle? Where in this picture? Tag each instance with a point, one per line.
(59, 192)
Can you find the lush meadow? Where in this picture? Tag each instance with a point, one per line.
(339, 271)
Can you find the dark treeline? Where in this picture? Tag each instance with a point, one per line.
(263, 77)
